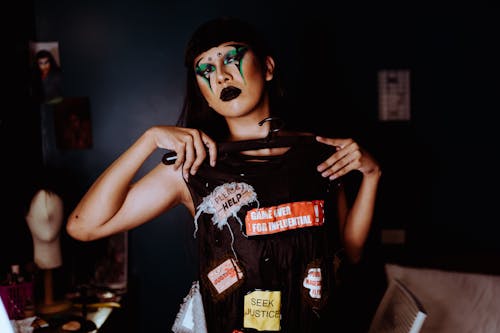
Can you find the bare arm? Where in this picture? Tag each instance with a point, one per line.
(114, 204)
(355, 222)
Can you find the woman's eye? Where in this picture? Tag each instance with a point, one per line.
(230, 59)
(235, 56)
(204, 70)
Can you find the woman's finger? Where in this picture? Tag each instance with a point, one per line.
(211, 147)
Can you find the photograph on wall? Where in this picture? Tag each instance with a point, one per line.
(72, 123)
(111, 267)
(394, 95)
(46, 72)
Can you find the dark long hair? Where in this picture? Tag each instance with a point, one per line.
(46, 54)
(195, 112)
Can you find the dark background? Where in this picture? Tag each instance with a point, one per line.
(439, 169)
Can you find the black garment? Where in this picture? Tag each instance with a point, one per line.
(277, 261)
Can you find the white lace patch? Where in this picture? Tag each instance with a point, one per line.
(225, 201)
(191, 315)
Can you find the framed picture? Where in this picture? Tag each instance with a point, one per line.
(72, 123)
(46, 77)
(112, 266)
(394, 95)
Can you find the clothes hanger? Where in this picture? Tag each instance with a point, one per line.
(272, 140)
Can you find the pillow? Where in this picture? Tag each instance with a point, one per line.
(5, 325)
(398, 311)
(454, 301)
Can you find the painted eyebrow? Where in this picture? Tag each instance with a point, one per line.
(236, 46)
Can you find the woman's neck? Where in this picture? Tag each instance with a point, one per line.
(251, 125)
(248, 128)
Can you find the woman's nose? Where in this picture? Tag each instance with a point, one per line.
(223, 75)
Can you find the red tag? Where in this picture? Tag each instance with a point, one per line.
(294, 215)
(224, 276)
(312, 281)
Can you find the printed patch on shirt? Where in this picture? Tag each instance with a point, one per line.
(312, 281)
(225, 277)
(225, 201)
(314, 287)
(262, 310)
(294, 215)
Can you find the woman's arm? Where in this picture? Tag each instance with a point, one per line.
(114, 204)
(355, 222)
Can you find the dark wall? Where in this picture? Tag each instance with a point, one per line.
(20, 141)
(126, 56)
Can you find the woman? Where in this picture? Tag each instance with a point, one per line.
(268, 207)
(47, 78)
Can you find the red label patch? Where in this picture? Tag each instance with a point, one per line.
(313, 282)
(294, 215)
(225, 276)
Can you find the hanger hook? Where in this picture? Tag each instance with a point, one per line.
(273, 129)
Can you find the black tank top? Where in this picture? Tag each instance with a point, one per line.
(266, 225)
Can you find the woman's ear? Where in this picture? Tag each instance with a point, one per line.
(269, 68)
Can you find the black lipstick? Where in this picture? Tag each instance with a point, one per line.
(229, 93)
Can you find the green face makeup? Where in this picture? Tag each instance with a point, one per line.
(233, 56)
(204, 70)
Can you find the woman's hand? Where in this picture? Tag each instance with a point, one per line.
(191, 146)
(349, 156)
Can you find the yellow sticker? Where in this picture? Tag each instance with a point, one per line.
(262, 310)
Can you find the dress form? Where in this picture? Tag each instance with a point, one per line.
(44, 219)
